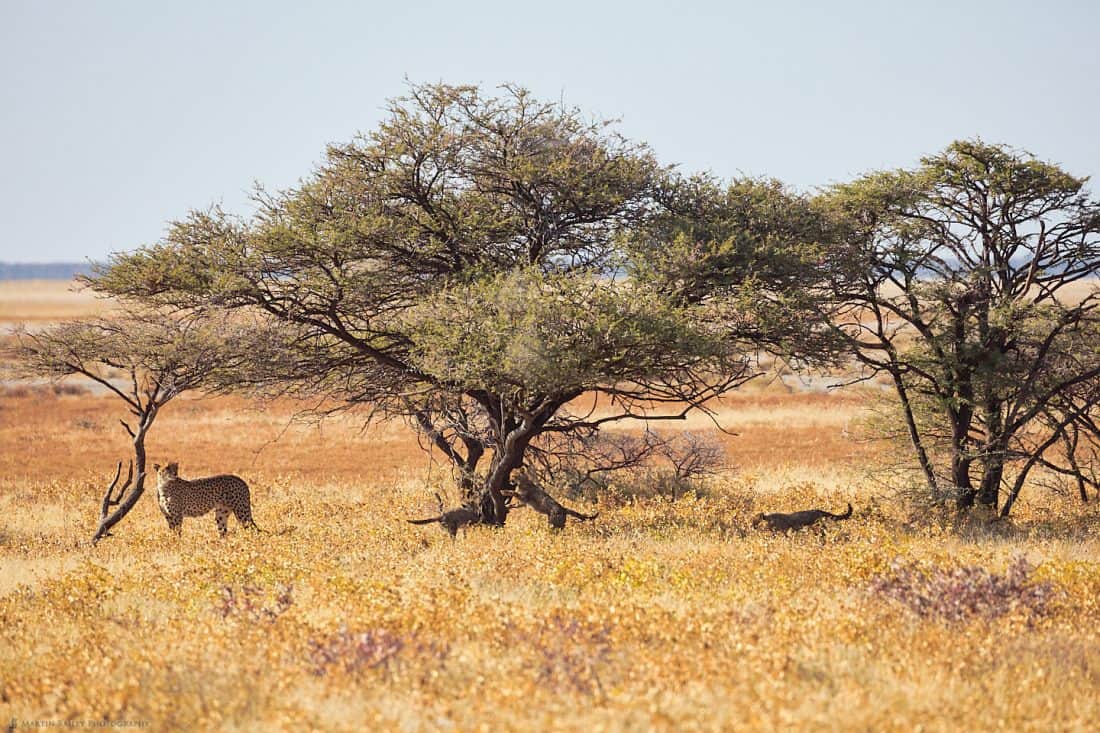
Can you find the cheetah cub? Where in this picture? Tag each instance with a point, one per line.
(179, 498)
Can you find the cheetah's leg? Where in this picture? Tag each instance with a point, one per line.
(243, 513)
(175, 522)
(221, 515)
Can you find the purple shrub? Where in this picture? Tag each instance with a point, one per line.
(570, 654)
(356, 652)
(250, 602)
(965, 592)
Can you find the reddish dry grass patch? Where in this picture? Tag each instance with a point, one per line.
(51, 435)
(48, 436)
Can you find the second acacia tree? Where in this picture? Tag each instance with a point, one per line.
(971, 282)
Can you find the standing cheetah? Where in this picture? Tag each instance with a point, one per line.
(179, 498)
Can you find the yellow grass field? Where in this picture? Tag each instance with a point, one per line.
(666, 615)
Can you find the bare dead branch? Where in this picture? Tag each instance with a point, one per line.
(108, 518)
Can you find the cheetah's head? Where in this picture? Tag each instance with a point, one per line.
(170, 471)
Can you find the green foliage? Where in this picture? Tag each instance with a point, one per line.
(752, 253)
(527, 333)
(713, 238)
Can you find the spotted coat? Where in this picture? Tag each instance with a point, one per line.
(179, 498)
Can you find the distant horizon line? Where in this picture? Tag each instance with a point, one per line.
(46, 263)
(61, 270)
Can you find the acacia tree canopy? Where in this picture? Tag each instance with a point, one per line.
(525, 333)
(462, 266)
(752, 254)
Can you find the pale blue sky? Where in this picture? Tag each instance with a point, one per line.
(116, 117)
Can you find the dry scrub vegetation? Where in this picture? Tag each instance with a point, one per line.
(659, 615)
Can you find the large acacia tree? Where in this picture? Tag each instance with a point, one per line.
(970, 282)
(463, 266)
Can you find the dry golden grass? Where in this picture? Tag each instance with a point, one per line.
(659, 615)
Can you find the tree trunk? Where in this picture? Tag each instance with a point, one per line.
(474, 452)
(914, 434)
(960, 469)
(1036, 457)
(1071, 457)
(994, 450)
(126, 500)
(960, 478)
(508, 457)
(1012, 495)
(990, 488)
(466, 465)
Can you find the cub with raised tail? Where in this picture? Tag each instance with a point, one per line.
(452, 520)
(797, 520)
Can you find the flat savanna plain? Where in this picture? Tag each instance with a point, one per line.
(662, 614)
